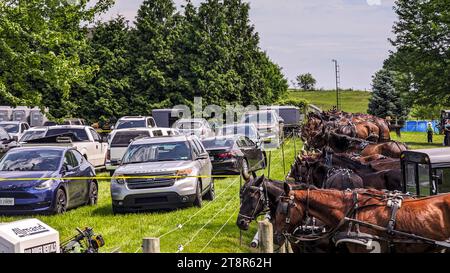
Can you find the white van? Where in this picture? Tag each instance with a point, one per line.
(119, 140)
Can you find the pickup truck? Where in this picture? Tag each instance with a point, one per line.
(83, 138)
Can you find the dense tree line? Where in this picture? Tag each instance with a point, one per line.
(52, 56)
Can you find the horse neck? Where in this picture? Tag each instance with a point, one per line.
(274, 191)
(319, 174)
(329, 206)
(351, 164)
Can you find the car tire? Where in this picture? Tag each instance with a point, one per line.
(198, 195)
(93, 194)
(211, 194)
(60, 206)
(245, 170)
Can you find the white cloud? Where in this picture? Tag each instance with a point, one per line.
(374, 2)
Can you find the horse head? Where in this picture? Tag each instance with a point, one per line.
(253, 201)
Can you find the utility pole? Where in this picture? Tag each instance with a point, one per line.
(338, 82)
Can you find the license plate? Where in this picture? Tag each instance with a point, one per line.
(6, 201)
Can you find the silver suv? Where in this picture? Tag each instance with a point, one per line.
(164, 172)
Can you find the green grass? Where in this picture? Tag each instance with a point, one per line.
(416, 140)
(125, 232)
(351, 101)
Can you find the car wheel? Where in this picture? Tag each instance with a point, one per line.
(198, 195)
(93, 194)
(245, 169)
(211, 194)
(60, 202)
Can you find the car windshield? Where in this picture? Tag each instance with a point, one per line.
(170, 151)
(79, 133)
(31, 161)
(218, 142)
(11, 128)
(260, 118)
(123, 139)
(125, 124)
(238, 130)
(30, 135)
(189, 125)
(3, 134)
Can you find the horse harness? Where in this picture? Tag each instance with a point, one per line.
(263, 198)
(308, 232)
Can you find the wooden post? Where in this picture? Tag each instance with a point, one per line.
(150, 245)
(265, 231)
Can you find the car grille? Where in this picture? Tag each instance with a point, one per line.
(165, 180)
(16, 194)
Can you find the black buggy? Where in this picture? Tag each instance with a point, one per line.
(426, 172)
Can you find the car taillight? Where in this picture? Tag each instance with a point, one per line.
(226, 155)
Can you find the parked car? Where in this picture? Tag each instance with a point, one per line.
(134, 122)
(246, 129)
(121, 138)
(6, 142)
(235, 155)
(51, 186)
(15, 128)
(33, 133)
(198, 127)
(163, 172)
(269, 125)
(74, 121)
(83, 138)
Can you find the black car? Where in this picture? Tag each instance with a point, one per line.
(235, 155)
(6, 142)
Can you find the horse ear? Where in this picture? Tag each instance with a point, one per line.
(287, 188)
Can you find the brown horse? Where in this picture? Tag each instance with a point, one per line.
(345, 144)
(427, 217)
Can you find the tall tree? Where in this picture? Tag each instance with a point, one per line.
(423, 48)
(386, 100)
(39, 51)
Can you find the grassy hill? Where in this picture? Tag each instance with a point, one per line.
(351, 101)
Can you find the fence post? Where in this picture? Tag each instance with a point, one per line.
(265, 231)
(150, 245)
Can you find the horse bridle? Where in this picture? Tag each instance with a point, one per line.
(263, 198)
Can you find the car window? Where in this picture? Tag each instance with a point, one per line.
(123, 139)
(157, 133)
(30, 135)
(70, 159)
(218, 142)
(125, 124)
(78, 156)
(95, 135)
(3, 134)
(170, 151)
(31, 160)
(80, 134)
(11, 128)
(151, 122)
(189, 125)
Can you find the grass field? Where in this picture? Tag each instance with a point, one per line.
(418, 140)
(209, 229)
(351, 101)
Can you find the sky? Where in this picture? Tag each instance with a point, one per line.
(305, 35)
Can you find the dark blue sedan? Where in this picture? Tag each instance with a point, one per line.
(45, 180)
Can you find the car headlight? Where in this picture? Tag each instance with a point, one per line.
(118, 180)
(45, 185)
(183, 173)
